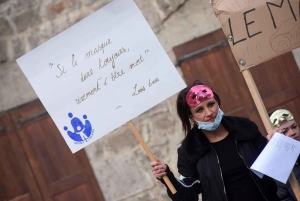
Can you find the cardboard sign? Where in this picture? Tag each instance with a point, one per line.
(101, 73)
(259, 30)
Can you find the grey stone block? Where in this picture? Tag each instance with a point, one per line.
(3, 51)
(55, 8)
(33, 40)
(58, 7)
(77, 15)
(5, 29)
(120, 140)
(167, 7)
(45, 31)
(95, 151)
(60, 24)
(26, 20)
(2, 1)
(18, 48)
(144, 196)
(159, 108)
(21, 6)
(121, 177)
(149, 12)
(96, 5)
(88, 2)
(190, 22)
(15, 89)
(164, 7)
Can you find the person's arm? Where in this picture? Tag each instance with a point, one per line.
(259, 141)
(187, 187)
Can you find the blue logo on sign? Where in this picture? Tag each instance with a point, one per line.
(81, 131)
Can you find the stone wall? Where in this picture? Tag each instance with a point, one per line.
(120, 165)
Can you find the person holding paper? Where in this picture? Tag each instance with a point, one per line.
(284, 122)
(215, 156)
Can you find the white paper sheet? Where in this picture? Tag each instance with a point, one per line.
(278, 158)
(101, 73)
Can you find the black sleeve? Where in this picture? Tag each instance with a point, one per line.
(260, 141)
(283, 192)
(188, 186)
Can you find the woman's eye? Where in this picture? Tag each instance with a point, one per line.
(199, 110)
(211, 104)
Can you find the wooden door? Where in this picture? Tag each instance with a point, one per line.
(59, 174)
(277, 80)
(17, 182)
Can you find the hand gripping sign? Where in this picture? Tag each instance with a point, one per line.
(101, 73)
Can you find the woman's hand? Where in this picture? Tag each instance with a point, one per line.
(159, 169)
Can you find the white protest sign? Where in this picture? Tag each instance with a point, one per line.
(101, 73)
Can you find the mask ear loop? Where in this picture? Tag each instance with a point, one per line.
(193, 120)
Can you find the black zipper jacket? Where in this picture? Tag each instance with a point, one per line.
(197, 161)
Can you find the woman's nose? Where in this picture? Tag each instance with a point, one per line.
(208, 112)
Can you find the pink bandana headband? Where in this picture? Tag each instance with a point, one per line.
(197, 93)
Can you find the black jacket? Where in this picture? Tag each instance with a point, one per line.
(285, 191)
(197, 160)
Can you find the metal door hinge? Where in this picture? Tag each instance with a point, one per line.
(20, 122)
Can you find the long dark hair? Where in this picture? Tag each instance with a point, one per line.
(183, 109)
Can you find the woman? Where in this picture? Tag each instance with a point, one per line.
(284, 122)
(215, 156)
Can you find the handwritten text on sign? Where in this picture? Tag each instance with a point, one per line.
(100, 73)
(260, 29)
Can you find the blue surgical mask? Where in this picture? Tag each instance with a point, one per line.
(209, 126)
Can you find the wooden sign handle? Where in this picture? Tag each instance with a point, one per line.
(266, 121)
(150, 155)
